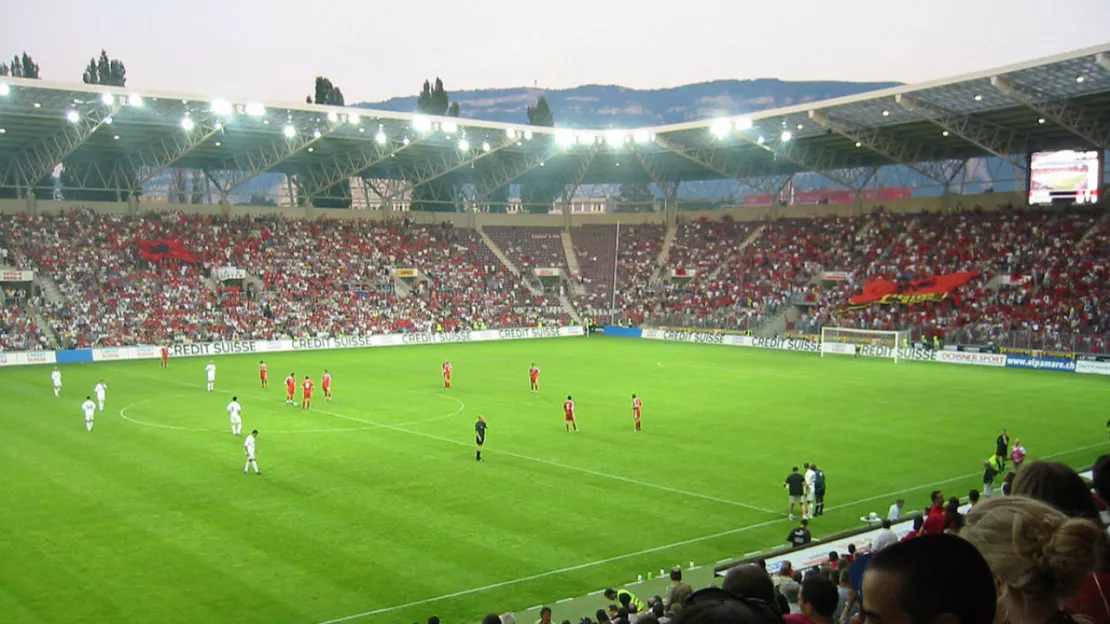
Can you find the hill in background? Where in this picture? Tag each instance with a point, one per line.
(603, 106)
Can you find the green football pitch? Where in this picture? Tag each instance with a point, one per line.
(372, 507)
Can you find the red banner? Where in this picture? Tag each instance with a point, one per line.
(156, 251)
(934, 288)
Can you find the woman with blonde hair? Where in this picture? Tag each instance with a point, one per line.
(1039, 556)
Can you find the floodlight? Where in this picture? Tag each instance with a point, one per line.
(2, 130)
(218, 144)
(380, 137)
(464, 145)
(135, 100)
(945, 133)
(720, 128)
(641, 136)
(4, 88)
(744, 124)
(289, 131)
(1080, 79)
(527, 135)
(586, 138)
(222, 107)
(449, 127)
(858, 144)
(886, 113)
(786, 136)
(254, 109)
(978, 98)
(72, 116)
(333, 116)
(354, 119)
(564, 138)
(405, 141)
(510, 132)
(316, 134)
(107, 98)
(800, 126)
(761, 140)
(616, 138)
(187, 124)
(421, 124)
(115, 137)
(485, 146)
(311, 149)
(1041, 120)
(108, 120)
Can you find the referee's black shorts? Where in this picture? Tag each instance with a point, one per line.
(479, 440)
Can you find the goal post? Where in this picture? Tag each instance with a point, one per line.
(870, 342)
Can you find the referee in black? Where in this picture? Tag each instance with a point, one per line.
(479, 436)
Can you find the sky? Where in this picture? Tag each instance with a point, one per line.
(374, 50)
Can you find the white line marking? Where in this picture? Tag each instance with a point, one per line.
(593, 564)
(596, 593)
(754, 552)
(563, 600)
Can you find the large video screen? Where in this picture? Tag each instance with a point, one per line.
(1064, 175)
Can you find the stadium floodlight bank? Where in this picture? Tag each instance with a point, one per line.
(848, 341)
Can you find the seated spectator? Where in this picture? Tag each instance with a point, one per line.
(954, 520)
(818, 599)
(927, 580)
(1038, 555)
(885, 537)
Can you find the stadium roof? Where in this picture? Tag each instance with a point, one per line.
(124, 138)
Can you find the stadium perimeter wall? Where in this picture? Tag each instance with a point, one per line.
(1063, 362)
(469, 219)
(236, 347)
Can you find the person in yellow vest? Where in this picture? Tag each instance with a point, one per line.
(936, 343)
(905, 343)
(626, 599)
(439, 327)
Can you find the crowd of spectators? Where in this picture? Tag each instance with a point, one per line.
(1038, 555)
(321, 277)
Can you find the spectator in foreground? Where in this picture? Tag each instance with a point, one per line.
(1038, 554)
(750, 580)
(545, 616)
(717, 606)
(935, 516)
(973, 497)
(1059, 486)
(933, 578)
(954, 520)
(679, 590)
(818, 600)
(491, 618)
(885, 538)
(625, 599)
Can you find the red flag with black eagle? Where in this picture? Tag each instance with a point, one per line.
(159, 250)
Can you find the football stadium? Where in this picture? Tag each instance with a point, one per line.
(503, 390)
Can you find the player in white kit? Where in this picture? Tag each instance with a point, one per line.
(90, 412)
(211, 370)
(56, 377)
(234, 410)
(248, 448)
(101, 390)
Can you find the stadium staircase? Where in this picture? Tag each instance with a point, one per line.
(1099, 226)
(401, 288)
(565, 302)
(754, 236)
(664, 254)
(492, 246)
(211, 283)
(572, 262)
(40, 320)
(49, 289)
(776, 325)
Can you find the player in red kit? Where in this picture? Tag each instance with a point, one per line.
(325, 382)
(165, 356)
(306, 393)
(534, 377)
(446, 374)
(568, 412)
(637, 404)
(262, 375)
(290, 389)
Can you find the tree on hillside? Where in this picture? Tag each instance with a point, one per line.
(432, 197)
(105, 71)
(20, 67)
(100, 71)
(337, 195)
(327, 93)
(538, 198)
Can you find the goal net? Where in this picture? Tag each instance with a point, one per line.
(868, 342)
